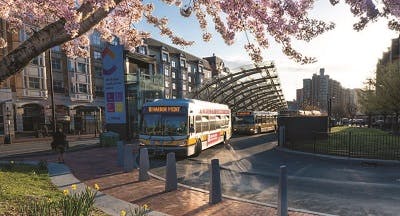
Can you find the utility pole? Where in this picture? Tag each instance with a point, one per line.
(53, 108)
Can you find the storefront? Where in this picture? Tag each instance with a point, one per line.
(87, 120)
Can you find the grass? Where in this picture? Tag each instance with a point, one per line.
(358, 130)
(22, 183)
(353, 142)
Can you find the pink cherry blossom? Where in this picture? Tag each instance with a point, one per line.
(71, 21)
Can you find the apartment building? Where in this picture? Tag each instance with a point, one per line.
(154, 70)
(321, 90)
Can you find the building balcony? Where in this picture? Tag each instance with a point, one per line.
(81, 97)
(32, 93)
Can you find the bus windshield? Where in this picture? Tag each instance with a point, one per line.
(244, 120)
(164, 125)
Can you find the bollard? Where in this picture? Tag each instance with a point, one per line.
(128, 158)
(120, 153)
(144, 165)
(171, 180)
(282, 192)
(215, 195)
(136, 155)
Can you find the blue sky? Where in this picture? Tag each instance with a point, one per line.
(347, 56)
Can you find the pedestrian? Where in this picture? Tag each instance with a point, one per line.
(59, 144)
(46, 130)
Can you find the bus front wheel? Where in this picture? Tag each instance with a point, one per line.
(197, 148)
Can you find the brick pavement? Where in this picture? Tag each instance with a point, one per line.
(99, 166)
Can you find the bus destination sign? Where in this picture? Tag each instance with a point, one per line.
(243, 113)
(164, 109)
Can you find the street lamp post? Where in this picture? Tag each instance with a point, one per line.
(95, 122)
(7, 139)
(53, 108)
(329, 113)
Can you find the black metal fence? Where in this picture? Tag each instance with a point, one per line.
(372, 146)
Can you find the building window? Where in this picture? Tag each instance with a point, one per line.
(82, 88)
(166, 84)
(190, 88)
(99, 91)
(56, 49)
(142, 50)
(173, 64)
(56, 63)
(173, 74)
(96, 55)
(201, 80)
(165, 57)
(184, 76)
(34, 82)
(190, 79)
(189, 68)
(201, 69)
(38, 60)
(166, 71)
(194, 69)
(95, 38)
(115, 41)
(98, 71)
(167, 96)
(183, 63)
(173, 86)
(173, 97)
(58, 86)
(184, 87)
(71, 66)
(82, 67)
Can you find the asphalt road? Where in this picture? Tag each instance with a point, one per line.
(250, 169)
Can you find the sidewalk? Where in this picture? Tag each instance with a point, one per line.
(98, 165)
(49, 138)
(42, 145)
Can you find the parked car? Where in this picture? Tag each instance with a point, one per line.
(378, 123)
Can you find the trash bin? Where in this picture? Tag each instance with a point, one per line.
(109, 138)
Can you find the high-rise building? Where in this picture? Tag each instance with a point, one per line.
(318, 91)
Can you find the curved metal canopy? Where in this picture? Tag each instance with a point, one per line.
(248, 88)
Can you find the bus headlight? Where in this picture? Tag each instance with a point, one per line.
(184, 143)
(251, 129)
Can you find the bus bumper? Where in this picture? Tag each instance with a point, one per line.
(163, 150)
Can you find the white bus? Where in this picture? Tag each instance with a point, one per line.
(183, 126)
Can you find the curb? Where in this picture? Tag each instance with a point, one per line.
(241, 199)
(332, 157)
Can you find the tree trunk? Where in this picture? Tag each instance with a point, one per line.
(52, 35)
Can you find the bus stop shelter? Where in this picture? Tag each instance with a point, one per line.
(250, 87)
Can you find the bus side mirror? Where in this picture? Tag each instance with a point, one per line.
(191, 130)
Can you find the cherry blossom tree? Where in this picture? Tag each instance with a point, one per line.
(69, 22)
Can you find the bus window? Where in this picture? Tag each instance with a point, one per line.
(212, 122)
(198, 124)
(264, 119)
(218, 122)
(258, 119)
(204, 123)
